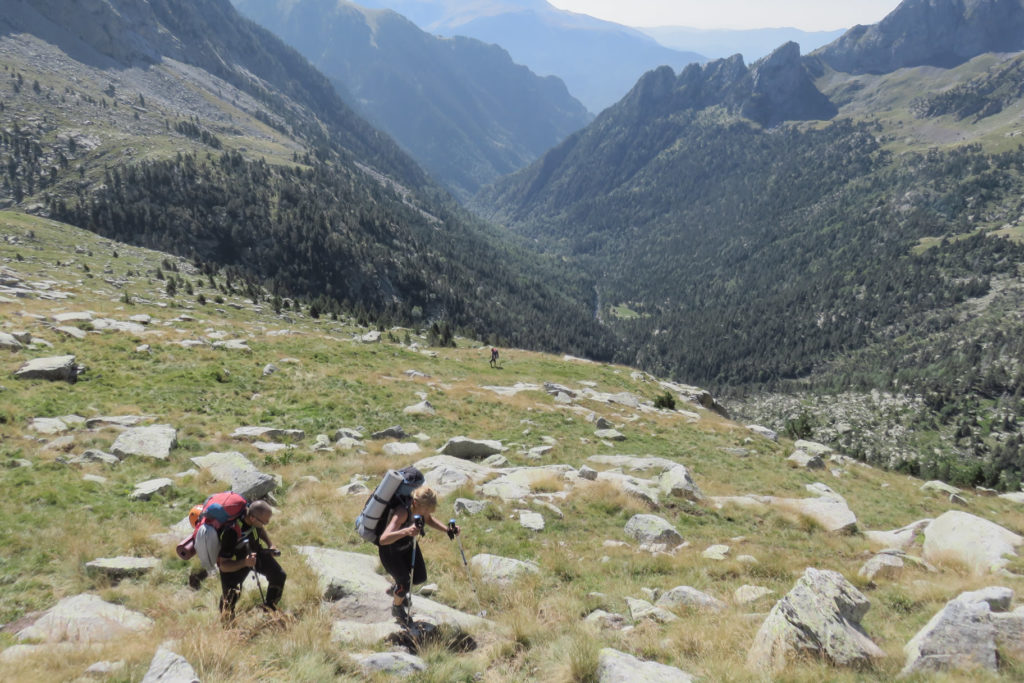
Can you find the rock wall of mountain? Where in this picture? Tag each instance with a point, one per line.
(461, 107)
(940, 33)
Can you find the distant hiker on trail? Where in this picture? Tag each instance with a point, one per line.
(494, 357)
(241, 552)
(398, 550)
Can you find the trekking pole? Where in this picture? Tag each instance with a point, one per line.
(256, 574)
(417, 521)
(452, 533)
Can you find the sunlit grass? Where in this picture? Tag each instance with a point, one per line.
(54, 522)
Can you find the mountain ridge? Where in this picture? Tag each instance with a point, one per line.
(598, 60)
(459, 106)
(953, 32)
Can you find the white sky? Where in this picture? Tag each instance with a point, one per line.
(809, 15)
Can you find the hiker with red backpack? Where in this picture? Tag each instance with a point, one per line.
(244, 547)
(227, 535)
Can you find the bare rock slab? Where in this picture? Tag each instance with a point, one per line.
(238, 472)
(652, 529)
(981, 545)
(54, 369)
(48, 425)
(400, 664)
(169, 667)
(268, 434)
(618, 667)
(961, 636)
(471, 449)
(153, 441)
(899, 539)
(820, 618)
(445, 473)
(147, 489)
(9, 343)
(401, 449)
(501, 570)
(121, 567)
(85, 618)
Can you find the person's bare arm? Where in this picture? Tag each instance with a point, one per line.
(393, 532)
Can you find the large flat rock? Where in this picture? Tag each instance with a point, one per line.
(85, 618)
(154, 441)
(54, 369)
(977, 543)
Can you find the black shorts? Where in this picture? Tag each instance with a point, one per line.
(398, 563)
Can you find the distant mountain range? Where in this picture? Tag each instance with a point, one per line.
(752, 44)
(598, 60)
(461, 107)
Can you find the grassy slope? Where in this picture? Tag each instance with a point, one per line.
(887, 98)
(54, 521)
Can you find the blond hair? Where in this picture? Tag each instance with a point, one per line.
(425, 499)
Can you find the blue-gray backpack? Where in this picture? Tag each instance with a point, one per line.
(394, 490)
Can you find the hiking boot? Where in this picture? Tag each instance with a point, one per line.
(195, 579)
(400, 613)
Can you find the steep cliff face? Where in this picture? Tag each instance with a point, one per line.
(929, 32)
(461, 107)
(772, 90)
(783, 91)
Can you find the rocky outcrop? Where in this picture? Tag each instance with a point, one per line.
(501, 570)
(782, 90)
(819, 618)
(54, 369)
(117, 568)
(470, 449)
(169, 667)
(352, 589)
(155, 441)
(982, 546)
(941, 33)
(682, 597)
(963, 635)
(652, 529)
(392, 664)
(85, 619)
(145, 490)
(618, 667)
(268, 434)
(238, 473)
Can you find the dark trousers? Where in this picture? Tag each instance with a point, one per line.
(267, 565)
(398, 563)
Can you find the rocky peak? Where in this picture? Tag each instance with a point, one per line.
(940, 33)
(783, 91)
(774, 89)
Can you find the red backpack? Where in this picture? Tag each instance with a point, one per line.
(219, 511)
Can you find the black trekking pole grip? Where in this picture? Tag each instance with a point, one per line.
(452, 530)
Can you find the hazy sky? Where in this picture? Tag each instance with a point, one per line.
(809, 15)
